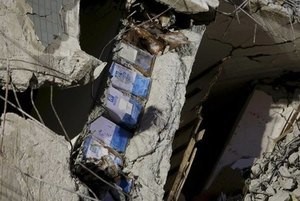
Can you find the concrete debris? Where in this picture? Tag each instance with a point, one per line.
(296, 193)
(34, 163)
(28, 56)
(281, 175)
(279, 18)
(284, 171)
(191, 6)
(280, 196)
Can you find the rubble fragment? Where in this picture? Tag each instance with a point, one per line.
(26, 56)
(35, 163)
(282, 173)
(191, 6)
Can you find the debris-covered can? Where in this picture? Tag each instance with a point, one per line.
(123, 109)
(130, 55)
(130, 81)
(103, 158)
(110, 134)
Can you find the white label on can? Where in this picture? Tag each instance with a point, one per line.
(128, 53)
(125, 106)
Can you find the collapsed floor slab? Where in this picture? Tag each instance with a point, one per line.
(26, 55)
(34, 164)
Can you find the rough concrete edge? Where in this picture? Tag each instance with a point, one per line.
(62, 62)
(17, 164)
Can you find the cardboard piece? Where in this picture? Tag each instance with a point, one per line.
(101, 156)
(123, 109)
(110, 134)
(133, 56)
(130, 81)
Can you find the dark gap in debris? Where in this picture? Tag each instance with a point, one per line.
(173, 170)
(23, 98)
(257, 56)
(206, 71)
(192, 93)
(179, 149)
(219, 115)
(185, 127)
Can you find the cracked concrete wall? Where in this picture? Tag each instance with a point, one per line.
(25, 57)
(255, 51)
(149, 151)
(34, 163)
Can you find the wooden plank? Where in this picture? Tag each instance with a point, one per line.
(186, 173)
(187, 154)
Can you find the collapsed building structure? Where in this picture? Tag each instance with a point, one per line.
(41, 47)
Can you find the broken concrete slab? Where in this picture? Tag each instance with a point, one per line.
(25, 57)
(149, 151)
(191, 6)
(280, 196)
(34, 164)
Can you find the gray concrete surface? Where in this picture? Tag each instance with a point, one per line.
(34, 164)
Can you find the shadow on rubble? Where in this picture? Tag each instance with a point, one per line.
(151, 117)
(221, 113)
(222, 117)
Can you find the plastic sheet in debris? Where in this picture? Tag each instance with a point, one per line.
(123, 183)
(104, 158)
(110, 133)
(139, 59)
(130, 81)
(122, 108)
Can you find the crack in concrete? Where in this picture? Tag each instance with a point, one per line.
(252, 46)
(34, 13)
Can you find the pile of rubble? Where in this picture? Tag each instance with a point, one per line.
(276, 176)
